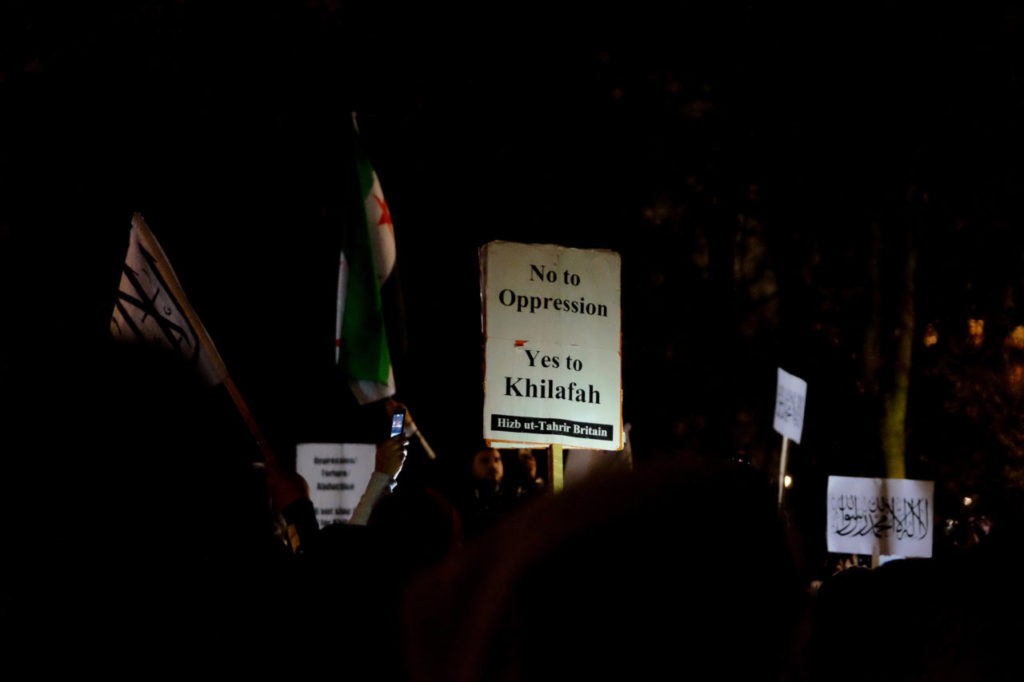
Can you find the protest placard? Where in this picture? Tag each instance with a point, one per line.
(552, 325)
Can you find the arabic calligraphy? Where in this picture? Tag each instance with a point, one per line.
(881, 517)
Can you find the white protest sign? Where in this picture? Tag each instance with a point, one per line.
(553, 361)
(337, 474)
(887, 516)
(790, 398)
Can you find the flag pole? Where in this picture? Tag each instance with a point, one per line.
(411, 428)
(236, 396)
(426, 446)
(250, 421)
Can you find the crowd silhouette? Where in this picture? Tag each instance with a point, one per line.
(170, 537)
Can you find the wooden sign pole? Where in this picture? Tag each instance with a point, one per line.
(556, 468)
(782, 468)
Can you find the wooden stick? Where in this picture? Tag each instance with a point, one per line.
(556, 468)
(250, 421)
(782, 468)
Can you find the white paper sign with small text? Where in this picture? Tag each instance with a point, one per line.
(890, 516)
(553, 348)
(790, 399)
(337, 474)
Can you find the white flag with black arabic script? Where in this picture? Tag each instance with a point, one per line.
(152, 308)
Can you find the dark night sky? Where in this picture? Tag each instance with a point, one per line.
(226, 127)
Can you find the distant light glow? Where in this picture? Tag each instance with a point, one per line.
(787, 481)
(1016, 337)
(976, 331)
(1015, 376)
(968, 501)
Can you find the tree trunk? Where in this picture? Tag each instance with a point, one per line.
(894, 415)
(888, 345)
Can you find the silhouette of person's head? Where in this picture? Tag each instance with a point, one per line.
(684, 551)
(487, 466)
(529, 462)
(416, 527)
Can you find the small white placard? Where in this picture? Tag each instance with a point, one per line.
(337, 474)
(893, 516)
(790, 398)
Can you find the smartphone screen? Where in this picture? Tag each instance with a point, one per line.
(397, 423)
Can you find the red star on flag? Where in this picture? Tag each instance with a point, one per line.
(385, 214)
